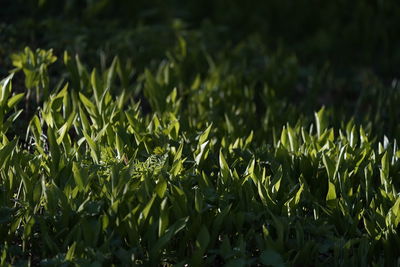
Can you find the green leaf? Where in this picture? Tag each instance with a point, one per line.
(36, 128)
(90, 107)
(15, 100)
(329, 166)
(385, 163)
(6, 151)
(353, 137)
(145, 212)
(161, 188)
(198, 201)
(164, 218)
(178, 154)
(177, 167)
(111, 73)
(298, 194)
(203, 239)
(202, 153)
(62, 131)
(96, 85)
(292, 139)
(331, 195)
(5, 89)
(284, 138)
(71, 251)
(174, 229)
(80, 176)
(321, 120)
(249, 139)
(65, 128)
(223, 167)
(393, 216)
(93, 147)
(203, 137)
(55, 150)
(84, 121)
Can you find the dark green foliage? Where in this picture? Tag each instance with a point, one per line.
(192, 150)
(202, 179)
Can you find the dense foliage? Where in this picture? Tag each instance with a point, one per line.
(199, 144)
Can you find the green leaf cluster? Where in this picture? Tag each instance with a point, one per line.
(156, 168)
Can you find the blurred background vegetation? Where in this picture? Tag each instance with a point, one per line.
(347, 34)
(341, 54)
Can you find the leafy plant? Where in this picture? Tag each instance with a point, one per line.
(156, 167)
(34, 64)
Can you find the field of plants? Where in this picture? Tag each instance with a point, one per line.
(216, 133)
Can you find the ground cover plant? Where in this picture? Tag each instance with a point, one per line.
(191, 151)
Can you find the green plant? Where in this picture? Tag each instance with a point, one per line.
(225, 171)
(34, 64)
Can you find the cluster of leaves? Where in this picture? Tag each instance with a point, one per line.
(167, 166)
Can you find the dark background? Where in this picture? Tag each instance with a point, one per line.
(347, 34)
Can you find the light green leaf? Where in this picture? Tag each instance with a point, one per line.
(331, 195)
(145, 212)
(321, 120)
(80, 176)
(71, 251)
(161, 188)
(203, 137)
(15, 100)
(223, 166)
(298, 194)
(329, 166)
(91, 108)
(6, 151)
(5, 89)
(93, 147)
(202, 153)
